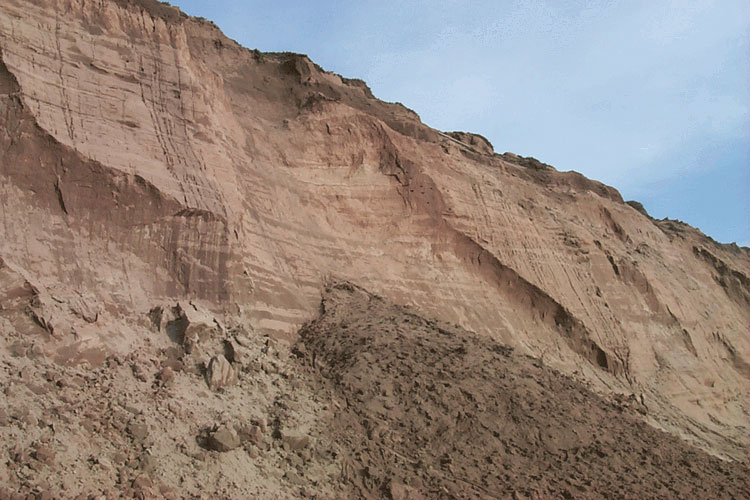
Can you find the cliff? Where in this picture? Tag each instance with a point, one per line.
(146, 159)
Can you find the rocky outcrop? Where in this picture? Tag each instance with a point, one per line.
(478, 143)
(147, 159)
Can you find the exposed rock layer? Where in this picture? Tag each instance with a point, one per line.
(146, 158)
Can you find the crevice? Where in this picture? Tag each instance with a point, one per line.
(614, 266)
(67, 112)
(58, 191)
(689, 342)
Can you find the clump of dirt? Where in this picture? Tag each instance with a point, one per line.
(425, 410)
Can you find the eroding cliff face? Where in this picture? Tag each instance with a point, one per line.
(146, 158)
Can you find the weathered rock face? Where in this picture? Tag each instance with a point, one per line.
(146, 158)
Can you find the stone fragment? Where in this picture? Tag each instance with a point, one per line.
(223, 439)
(173, 364)
(138, 431)
(251, 433)
(36, 352)
(17, 349)
(295, 442)
(142, 482)
(166, 375)
(85, 308)
(220, 373)
(197, 324)
(139, 372)
(148, 462)
(45, 455)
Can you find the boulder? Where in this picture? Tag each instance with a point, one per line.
(295, 442)
(223, 439)
(220, 373)
(186, 324)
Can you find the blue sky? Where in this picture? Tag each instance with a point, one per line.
(651, 97)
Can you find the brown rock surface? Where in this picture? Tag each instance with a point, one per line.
(223, 439)
(455, 415)
(220, 373)
(147, 159)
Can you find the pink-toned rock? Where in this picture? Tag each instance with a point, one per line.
(146, 158)
(220, 373)
(223, 439)
(166, 375)
(45, 455)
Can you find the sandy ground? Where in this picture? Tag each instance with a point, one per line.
(373, 401)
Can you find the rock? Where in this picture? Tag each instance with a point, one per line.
(220, 373)
(104, 463)
(138, 431)
(160, 316)
(186, 324)
(473, 141)
(295, 442)
(263, 424)
(173, 364)
(45, 455)
(148, 462)
(85, 308)
(18, 349)
(399, 491)
(236, 353)
(142, 482)
(120, 458)
(243, 337)
(167, 492)
(166, 375)
(36, 352)
(198, 325)
(223, 439)
(139, 372)
(251, 433)
(30, 420)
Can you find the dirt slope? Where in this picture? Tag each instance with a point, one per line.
(426, 410)
(373, 401)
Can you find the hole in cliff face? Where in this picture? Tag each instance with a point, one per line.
(601, 358)
(176, 330)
